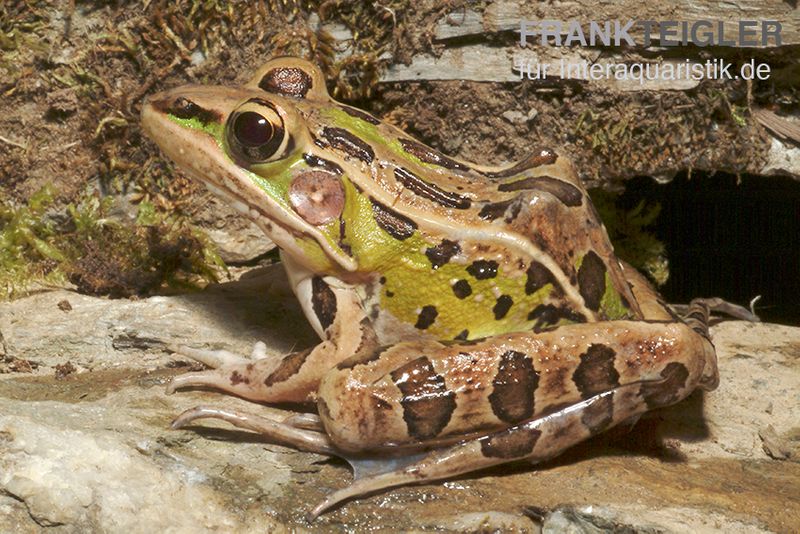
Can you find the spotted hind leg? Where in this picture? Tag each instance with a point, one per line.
(522, 395)
(535, 441)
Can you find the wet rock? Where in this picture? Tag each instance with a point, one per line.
(91, 450)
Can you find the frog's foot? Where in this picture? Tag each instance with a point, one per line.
(698, 311)
(700, 308)
(290, 431)
(260, 378)
(716, 304)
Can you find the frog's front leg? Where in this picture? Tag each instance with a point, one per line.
(335, 312)
(521, 396)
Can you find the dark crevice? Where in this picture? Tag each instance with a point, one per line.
(727, 239)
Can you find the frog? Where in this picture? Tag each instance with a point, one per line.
(469, 315)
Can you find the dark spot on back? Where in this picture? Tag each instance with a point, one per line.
(666, 391)
(544, 156)
(537, 277)
(516, 442)
(341, 139)
(441, 253)
(431, 191)
(513, 387)
(462, 289)
(427, 403)
(398, 226)
(596, 372)
(547, 315)
(426, 317)
(428, 155)
(592, 280)
(289, 366)
(183, 108)
(565, 192)
(323, 301)
(286, 81)
(483, 269)
(501, 307)
(357, 113)
(599, 413)
(462, 336)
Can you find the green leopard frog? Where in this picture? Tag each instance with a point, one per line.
(469, 315)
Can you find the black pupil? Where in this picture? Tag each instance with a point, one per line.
(252, 130)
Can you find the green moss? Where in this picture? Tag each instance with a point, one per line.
(28, 255)
(40, 246)
(628, 230)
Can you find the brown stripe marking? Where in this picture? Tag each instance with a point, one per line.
(287, 81)
(431, 191)
(441, 253)
(183, 108)
(427, 403)
(543, 157)
(501, 306)
(516, 442)
(398, 226)
(323, 301)
(289, 366)
(513, 387)
(592, 280)
(495, 210)
(357, 113)
(565, 192)
(346, 248)
(316, 161)
(367, 350)
(599, 413)
(341, 139)
(596, 372)
(664, 392)
(428, 155)
(363, 358)
(426, 317)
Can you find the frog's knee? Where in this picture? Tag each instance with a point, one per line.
(360, 411)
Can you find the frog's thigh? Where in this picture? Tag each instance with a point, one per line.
(295, 377)
(433, 393)
(506, 398)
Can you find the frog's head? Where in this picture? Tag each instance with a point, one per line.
(247, 144)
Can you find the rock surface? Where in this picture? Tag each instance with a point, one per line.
(85, 443)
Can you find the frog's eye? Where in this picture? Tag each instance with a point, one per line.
(255, 132)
